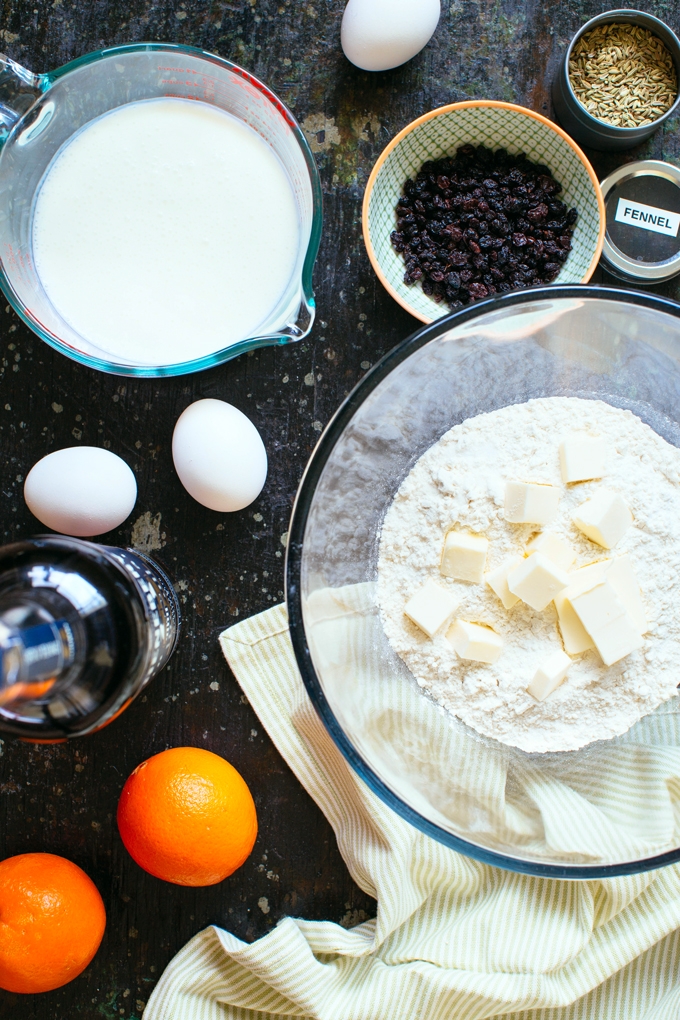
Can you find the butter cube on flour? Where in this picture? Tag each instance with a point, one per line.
(472, 641)
(619, 573)
(549, 675)
(554, 547)
(622, 578)
(605, 518)
(574, 635)
(537, 580)
(582, 458)
(464, 556)
(431, 607)
(604, 616)
(497, 580)
(529, 503)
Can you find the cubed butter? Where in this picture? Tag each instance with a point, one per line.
(617, 640)
(555, 548)
(604, 616)
(621, 576)
(574, 635)
(472, 641)
(497, 580)
(597, 606)
(537, 580)
(431, 607)
(529, 503)
(619, 573)
(549, 675)
(582, 458)
(464, 556)
(605, 518)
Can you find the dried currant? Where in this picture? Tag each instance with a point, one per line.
(481, 223)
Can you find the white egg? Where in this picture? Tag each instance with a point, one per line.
(219, 455)
(81, 491)
(379, 34)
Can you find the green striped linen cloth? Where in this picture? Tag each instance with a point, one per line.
(453, 939)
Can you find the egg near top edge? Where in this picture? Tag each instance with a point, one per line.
(377, 35)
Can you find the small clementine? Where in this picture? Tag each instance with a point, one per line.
(187, 816)
(52, 920)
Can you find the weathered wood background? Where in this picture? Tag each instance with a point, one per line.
(63, 798)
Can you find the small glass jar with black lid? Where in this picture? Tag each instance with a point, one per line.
(642, 234)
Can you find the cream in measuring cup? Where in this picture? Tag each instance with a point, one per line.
(165, 230)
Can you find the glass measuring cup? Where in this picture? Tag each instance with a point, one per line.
(40, 113)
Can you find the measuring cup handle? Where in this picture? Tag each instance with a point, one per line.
(19, 89)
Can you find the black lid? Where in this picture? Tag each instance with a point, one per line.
(642, 235)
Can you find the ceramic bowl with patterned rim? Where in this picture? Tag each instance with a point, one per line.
(495, 125)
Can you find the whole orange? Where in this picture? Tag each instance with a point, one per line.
(52, 920)
(186, 816)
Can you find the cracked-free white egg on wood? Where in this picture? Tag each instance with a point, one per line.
(379, 34)
(81, 491)
(219, 455)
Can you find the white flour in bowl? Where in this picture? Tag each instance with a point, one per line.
(460, 481)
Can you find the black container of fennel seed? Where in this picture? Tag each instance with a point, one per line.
(642, 231)
(589, 130)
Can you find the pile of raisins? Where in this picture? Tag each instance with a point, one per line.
(482, 223)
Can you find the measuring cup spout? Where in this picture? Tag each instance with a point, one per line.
(19, 89)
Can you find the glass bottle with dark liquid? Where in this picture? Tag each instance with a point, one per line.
(83, 628)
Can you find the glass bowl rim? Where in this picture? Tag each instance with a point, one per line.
(293, 567)
(227, 353)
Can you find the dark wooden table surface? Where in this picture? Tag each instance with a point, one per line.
(63, 798)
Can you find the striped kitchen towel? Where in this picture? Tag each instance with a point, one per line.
(453, 939)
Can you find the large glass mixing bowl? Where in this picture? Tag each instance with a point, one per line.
(611, 808)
